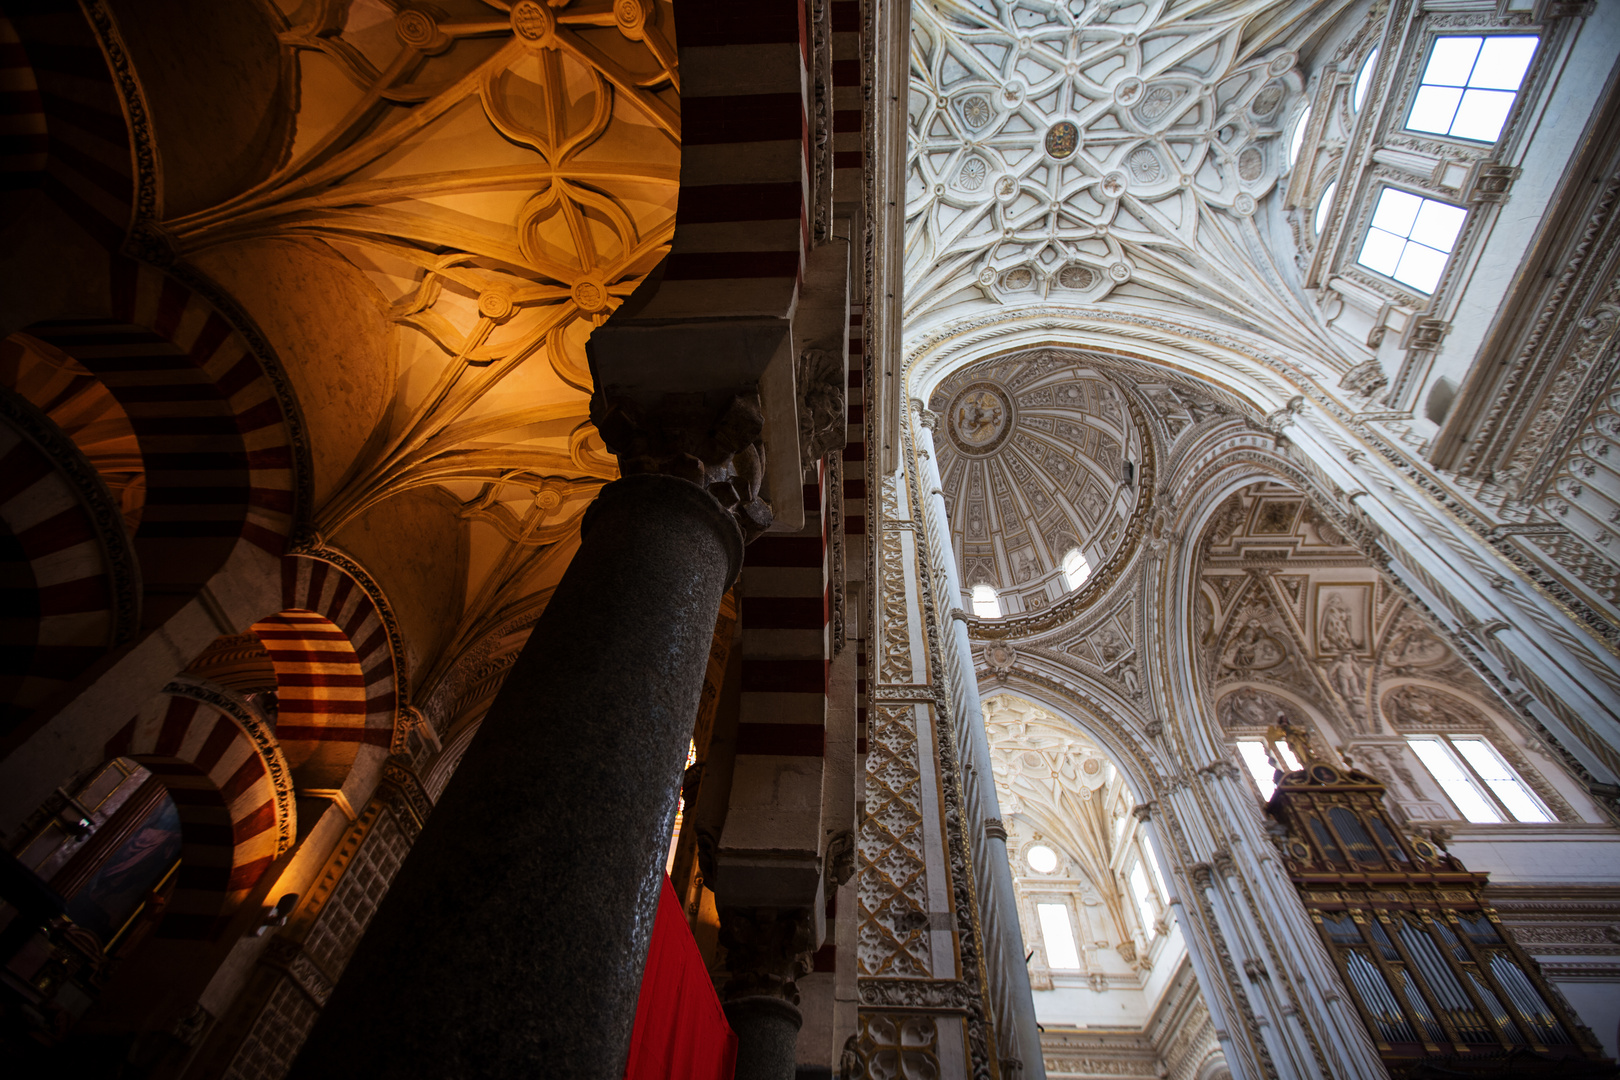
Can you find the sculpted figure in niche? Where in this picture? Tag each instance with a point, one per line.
(1109, 645)
(1338, 634)
(1345, 677)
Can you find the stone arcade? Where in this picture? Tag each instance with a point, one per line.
(1080, 534)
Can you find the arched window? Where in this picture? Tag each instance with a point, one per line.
(1364, 80)
(1075, 568)
(985, 603)
(1323, 204)
(1298, 137)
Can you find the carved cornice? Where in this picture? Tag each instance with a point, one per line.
(929, 995)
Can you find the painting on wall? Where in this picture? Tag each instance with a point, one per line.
(104, 903)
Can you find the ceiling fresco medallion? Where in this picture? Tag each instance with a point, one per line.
(980, 418)
(1062, 140)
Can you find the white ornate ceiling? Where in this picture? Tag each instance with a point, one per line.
(1052, 777)
(1031, 450)
(1059, 151)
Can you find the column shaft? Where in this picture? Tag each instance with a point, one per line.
(512, 943)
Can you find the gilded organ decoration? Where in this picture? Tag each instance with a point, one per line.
(1432, 970)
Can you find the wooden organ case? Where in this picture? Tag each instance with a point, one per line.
(1440, 983)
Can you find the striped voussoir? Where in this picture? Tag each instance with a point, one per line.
(63, 132)
(226, 798)
(212, 436)
(742, 225)
(56, 593)
(335, 681)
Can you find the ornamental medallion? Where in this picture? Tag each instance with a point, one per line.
(979, 419)
(1063, 139)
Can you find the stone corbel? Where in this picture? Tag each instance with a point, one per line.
(1491, 183)
(821, 348)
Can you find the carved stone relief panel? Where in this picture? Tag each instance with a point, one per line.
(893, 935)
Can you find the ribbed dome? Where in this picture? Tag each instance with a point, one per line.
(1032, 452)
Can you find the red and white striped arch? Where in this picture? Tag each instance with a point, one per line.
(336, 674)
(742, 225)
(57, 580)
(215, 443)
(235, 801)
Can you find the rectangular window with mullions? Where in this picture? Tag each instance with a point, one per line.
(1478, 779)
(1469, 85)
(1411, 238)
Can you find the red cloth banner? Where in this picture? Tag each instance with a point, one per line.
(680, 1033)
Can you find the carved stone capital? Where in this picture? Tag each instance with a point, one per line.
(719, 448)
(767, 949)
(1143, 812)
(1203, 875)
(995, 829)
(925, 416)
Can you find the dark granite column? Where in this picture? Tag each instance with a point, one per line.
(512, 943)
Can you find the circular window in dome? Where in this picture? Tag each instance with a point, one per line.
(1042, 859)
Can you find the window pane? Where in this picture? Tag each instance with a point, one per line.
(1438, 224)
(1059, 938)
(1381, 251)
(1139, 888)
(1503, 62)
(1452, 60)
(1324, 203)
(1501, 779)
(1420, 267)
(1397, 211)
(985, 603)
(1433, 109)
(1253, 752)
(1042, 859)
(1286, 755)
(1456, 783)
(1158, 876)
(1298, 137)
(1364, 80)
(1075, 568)
(1482, 114)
